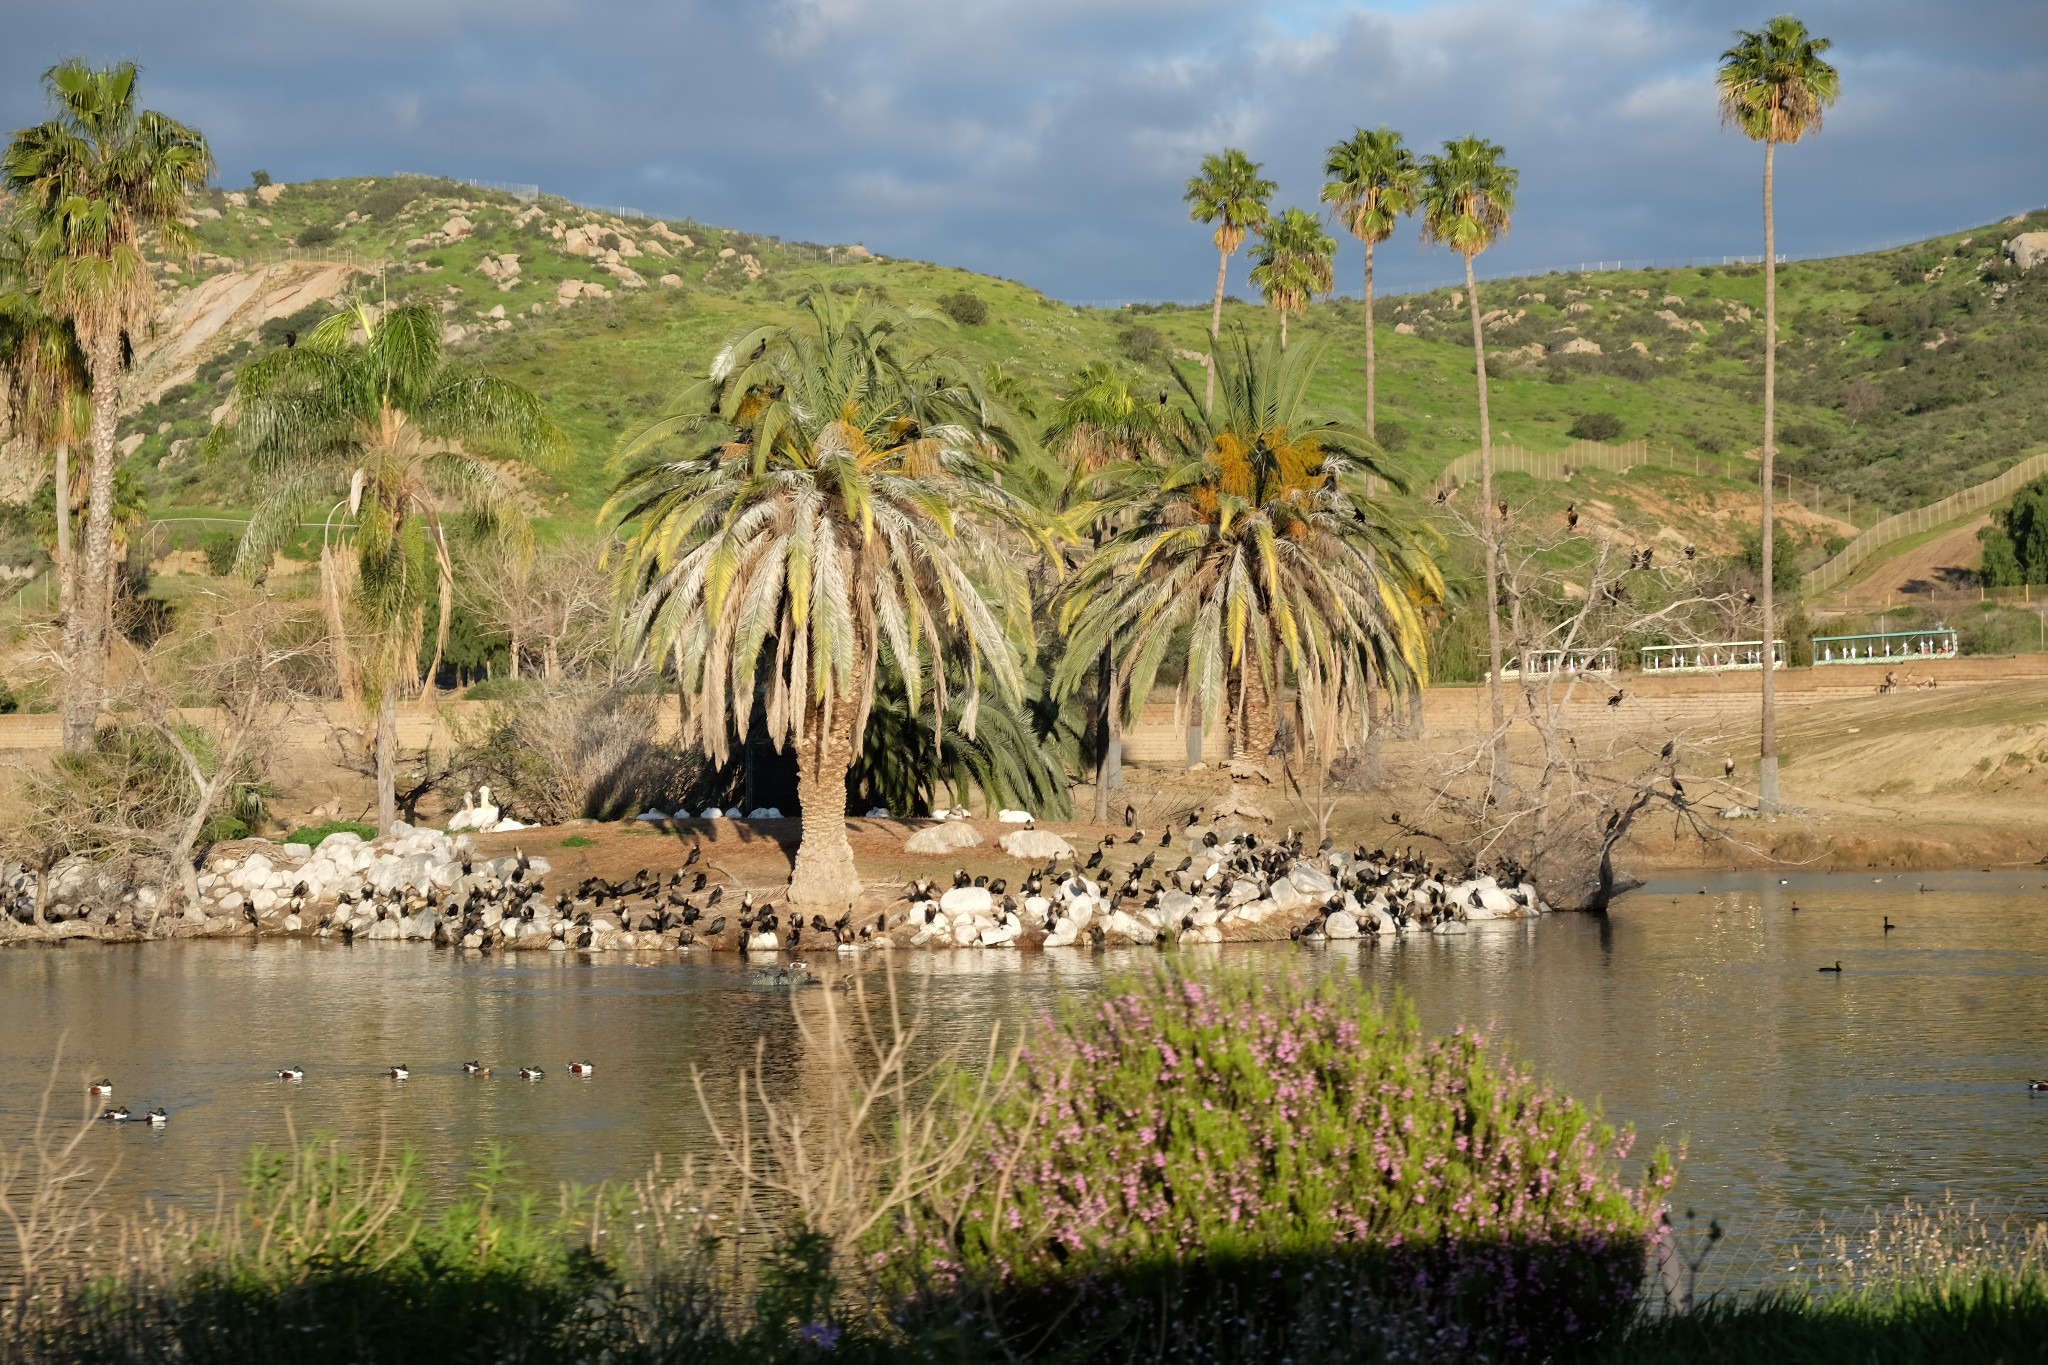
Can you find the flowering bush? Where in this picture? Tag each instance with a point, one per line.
(1241, 1167)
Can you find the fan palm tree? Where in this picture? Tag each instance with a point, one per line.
(835, 511)
(1109, 439)
(1230, 193)
(371, 408)
(1774, 87)
(91, 182)
(1467, 197)
(1260, 552)
(1372, 179)
(43, 390)
(1293, 263)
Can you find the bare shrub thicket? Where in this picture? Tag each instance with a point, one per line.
(575, 748)
(1589, 764)
(552, 604)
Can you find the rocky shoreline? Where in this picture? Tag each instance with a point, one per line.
(426, 886)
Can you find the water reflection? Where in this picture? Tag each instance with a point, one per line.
(1694, 1012)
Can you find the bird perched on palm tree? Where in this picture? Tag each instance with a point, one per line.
(1260, 553)
(91, 184)
(836, 506)
(1293, 263)
(1372, 180)
(1775, 87)
(1230, 193)
(1467, 199)
(370, 407)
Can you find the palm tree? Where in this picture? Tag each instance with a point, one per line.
(1372, 179)
(370, 408)
(42, 390)
(1774, 87)
(1260, 549)
(1467, 196)
(91, 183)
(1109, 438)
(835, 513)
(1232, 194)
(1293, 263)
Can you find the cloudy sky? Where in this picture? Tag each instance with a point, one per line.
(1049, 140)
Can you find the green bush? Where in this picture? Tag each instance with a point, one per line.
(259, 178)
(969, 310)
(1143, 345)
(311, 835)
(1393, 437)
(1288, 1167)
(219, 547)
(316, 234)
(1595, 426)
(501, 688)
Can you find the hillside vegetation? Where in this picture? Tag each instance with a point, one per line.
(1906, 373)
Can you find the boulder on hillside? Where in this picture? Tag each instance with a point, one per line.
(2028, 250)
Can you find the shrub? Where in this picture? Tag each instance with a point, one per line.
(1295, 1170)
(575, 749)
(1595, 426)
(219, 547)
(315, 234)
(388, 200)
(311, 835)
(1393, 437)
(969, 310)
(1143, 345)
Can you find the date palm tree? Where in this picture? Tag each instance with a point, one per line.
(371, 408)
(1775, 88)
(43, 391)
(1230, 193)
(834, 512)
(91, 183)
(1258, 551)
(1110, 439)
(1467, 198)
(1372, 180)
(1293, 263)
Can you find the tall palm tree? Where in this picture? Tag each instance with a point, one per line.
(1260, 552)
(43, 390)
(91, 182)
(1293, 263)
(1774, 87)
(1372, 179)
(835, 511)
(1109, 438)
(371, 408)
(1467, 196)
(1230, 193)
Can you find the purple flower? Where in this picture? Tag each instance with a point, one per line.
(823, 1335)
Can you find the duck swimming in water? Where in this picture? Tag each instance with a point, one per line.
(158, 1118)
(475, 1069)
(117, 1115)
(583, 1068)
(100, 1087)
(292, 1073)
(400, 1072)
(2037, 1085)
(1836, 968)
(531, 1073)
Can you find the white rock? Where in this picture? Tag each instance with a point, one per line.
(1063, 934)
(655, 816)
(262, 899)
(764, 942)
(296, 852)
(998, 936)
(1034, 911)
(878, 813)
(732, 813)
(765, 813)
(292, 924)
(1340, 925)
(384, 929)
(1310, 881)
(1132, 928)
(944, 838)
(420, 926)
(2028, 250)
(973, 900)
(967, 933)
(709, 813)
(1035, 845)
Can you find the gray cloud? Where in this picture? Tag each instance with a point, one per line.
(1048, 140)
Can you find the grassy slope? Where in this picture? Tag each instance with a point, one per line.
(1855, 331)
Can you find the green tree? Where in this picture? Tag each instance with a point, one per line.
(1293, 263)
(836, 511)
(43, 391)
(1261, 554)
(1230, 193)
(1109, 439)
(1467, 198)
(1774, 87)
(370, 408)
(90, 183)
(2016, 542)
(1372, 183)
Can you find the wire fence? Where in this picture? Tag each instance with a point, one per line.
(1894, 529)
(1545, 464)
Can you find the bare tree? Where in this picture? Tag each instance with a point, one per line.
(554, 603)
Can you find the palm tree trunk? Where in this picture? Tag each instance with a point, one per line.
(1767, 768)
(1490, 539)
(1371, 426)
(1215, 329)
(86, 630)
(1104, 728)
(346, 675)
(824, 875)
(1257, 724)
(63, 506)
(387, 757)
(1283, 329)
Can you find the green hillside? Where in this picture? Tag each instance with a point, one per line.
(1905, 373)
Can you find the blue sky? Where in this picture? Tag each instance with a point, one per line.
(1049, 140)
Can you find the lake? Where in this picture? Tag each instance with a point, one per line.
(1695, 1011)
